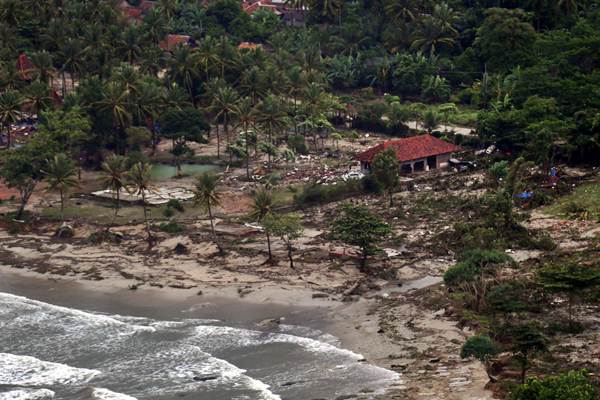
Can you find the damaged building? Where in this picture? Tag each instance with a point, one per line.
(415, 153)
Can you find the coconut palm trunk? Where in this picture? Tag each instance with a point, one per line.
(289, 252)
(269, 246)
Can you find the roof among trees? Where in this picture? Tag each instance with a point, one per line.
(411, 148)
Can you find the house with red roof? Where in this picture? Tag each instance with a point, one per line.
(25, 67)
(415, 153)
(170, 42)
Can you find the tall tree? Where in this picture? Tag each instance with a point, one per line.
(114, 177)
(572, 279)
(358, 226)
(386, 171)
(206, 195)
(223, 106)
(140, 179)
(288, 228)
(60, 176)
(10, 106)
(245, 115)
(262, 207)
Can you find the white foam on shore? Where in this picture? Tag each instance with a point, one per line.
(18, 302)
(23, 394)
(256, 338)
(225, 373)
(105, 394)
(30, 371)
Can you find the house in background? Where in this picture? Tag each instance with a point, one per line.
(290, 16)
(136, 13)
(170, 42)
(415, 153)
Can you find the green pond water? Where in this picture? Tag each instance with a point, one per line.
(167, 171)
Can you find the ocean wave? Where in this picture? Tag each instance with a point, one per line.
(30, 371)
(256, 338)
(11, 302)
(25, 394)
(105, 394)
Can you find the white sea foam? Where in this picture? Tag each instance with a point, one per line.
(25, 370)
(105, 394)
(255, 338)
(20, 302)
(24, 394)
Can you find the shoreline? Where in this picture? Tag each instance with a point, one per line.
(289, 305)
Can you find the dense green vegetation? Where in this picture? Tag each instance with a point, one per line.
(523, 73)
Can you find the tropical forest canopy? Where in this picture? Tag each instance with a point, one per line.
(530, 68)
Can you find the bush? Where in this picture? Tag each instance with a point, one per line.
(315, 193)
(168, 212)
(480, 347)
(135, 157)
(573, 385)
(298, 144)
(176, 205)
(371, 185)
(510, 297)
(171, 227)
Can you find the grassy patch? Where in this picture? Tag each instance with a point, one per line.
(582, 203)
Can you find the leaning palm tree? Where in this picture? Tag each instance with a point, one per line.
(262, 207)
(140, 180)
(10, 105)
(207, 196)
(114, 170)
(60, 176)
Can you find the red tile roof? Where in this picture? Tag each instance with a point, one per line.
(249, 46)
(171, 42)
(411, 148)
(25, 67)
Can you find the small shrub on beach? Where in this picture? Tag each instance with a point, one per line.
(573, 385)
(168, 212)
(171, 227)
(480, 347)
(176, 205)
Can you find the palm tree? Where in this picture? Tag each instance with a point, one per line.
(168, 8)
(60, 175)
(114, 170)
(139, 176)
(71, 57)
(129, 44)
(329, 8)
(254, 84)
(262, 207)
(149, 101)
(39, 97)
(207, 196)
(400, 10)
(568, 7)
(223, 106)
(245, 114)
(115, 100)
(431, 36)
(43, 61)
(182, 69)
(272, 117)
(446, 17)
(10, 105)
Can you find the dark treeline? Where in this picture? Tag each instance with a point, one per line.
(529, 67)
